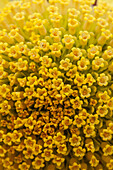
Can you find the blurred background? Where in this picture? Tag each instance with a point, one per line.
(3, 2)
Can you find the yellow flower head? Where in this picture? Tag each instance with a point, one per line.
(68, 40)
(46, 61)
(7, 138)
(2, 151)
(78, 121)
(52, 9)
(94, 161)
(76, 53)
(73, 13)
(62, 149)
(84, 37)
(55, 34)
(30, 122)
(108, 150)
(14, 33)
(92, 51)
(75, 166)
(43, 45)
(34, 38)
(38, 163)
(106, 134)
(72, 25)
(56, 49)
(72, 72)
(83, 113)
(75, 140)
(56, 85)
(66, 90)
(79, 151)
(85, 92)
(37, 149)
(48, 142)
(66, 122)
(33, 53)
(47, 154)
(29, 92)
(32, 81)
(76, 103)
(65, 64)
(34, 16)
(4, 89)
(38, 24)
(7, 163)
(82, 64)
(29, 142)
(108, 53)
(59, 138)
(24, 165)
(18, 123)
(89, 130)
(90, 145)
(103, 97)
(29, 153)
(80, 79)
(102, 80)
(110, 164)
(22, 64)
(5, 107)
(16, 136)
(55, 19)
(93, 119)
(58, 160)
(54, 73)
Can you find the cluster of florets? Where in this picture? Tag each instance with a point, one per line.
(56, 85)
